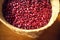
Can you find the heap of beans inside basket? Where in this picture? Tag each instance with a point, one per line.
(27, 14)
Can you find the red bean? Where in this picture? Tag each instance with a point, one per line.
(28, 14)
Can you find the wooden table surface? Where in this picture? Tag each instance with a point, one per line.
(51, 33)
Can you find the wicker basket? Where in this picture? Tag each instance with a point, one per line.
(36, 32)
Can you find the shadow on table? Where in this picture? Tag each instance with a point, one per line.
(52, 33)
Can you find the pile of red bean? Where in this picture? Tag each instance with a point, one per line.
(27, 14)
